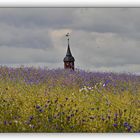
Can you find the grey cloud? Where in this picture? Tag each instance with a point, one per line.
(28, 55)
(24, 37)
(109, 51)
(30, 17)
(101, 38)
(114, 20)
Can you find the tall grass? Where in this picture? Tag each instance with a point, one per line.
(42, 100)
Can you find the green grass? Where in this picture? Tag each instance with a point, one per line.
(39, 108)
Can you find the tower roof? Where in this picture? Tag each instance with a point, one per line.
(68, 56)
(68, 51)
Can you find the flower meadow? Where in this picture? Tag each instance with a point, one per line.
(58, 100)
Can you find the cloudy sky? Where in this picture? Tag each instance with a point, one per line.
(102, 39)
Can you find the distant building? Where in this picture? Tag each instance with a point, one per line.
(69, 59)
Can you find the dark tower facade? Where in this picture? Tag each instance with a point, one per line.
(68, 59)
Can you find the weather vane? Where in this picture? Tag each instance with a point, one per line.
(68, 35)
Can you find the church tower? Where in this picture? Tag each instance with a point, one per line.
(69, 59)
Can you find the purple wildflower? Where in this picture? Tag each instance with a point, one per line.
(115, 125)
(37, 106)
(108, 117)
(106, 83)
(125, 124)
(5, 122)
(129, 129)
(31, 118)
(116, 115)
(40, 110)
(103, 119)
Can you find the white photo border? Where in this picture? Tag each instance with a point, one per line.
(69, 3)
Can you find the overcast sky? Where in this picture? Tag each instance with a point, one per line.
(102, 39)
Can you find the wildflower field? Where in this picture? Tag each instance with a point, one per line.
(43, 100)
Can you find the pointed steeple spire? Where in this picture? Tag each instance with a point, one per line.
(68, 56)
(68, 59)
(68, 50)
